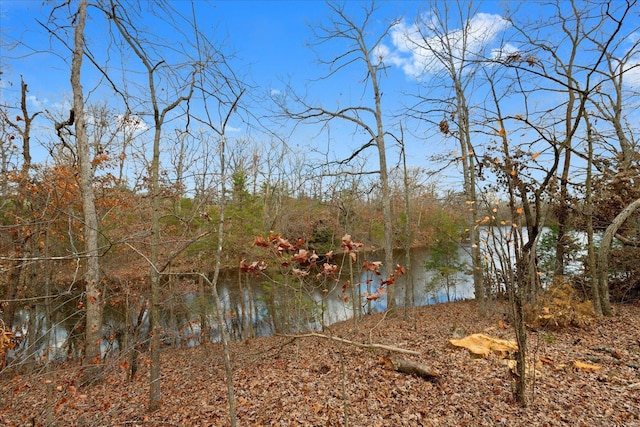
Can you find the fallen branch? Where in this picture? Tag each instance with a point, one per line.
(610, 351)
(357, 344)
(410, 367)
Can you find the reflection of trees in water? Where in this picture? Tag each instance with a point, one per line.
(249, 312)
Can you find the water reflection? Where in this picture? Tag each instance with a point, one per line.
(253, 307)
(315, 308)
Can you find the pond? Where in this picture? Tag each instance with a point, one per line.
(249, 303)
(249, 308)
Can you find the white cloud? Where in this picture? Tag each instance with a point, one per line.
(275, 92)
(632, 73)
(425, 49)
(504, 51)
(632, 67)
(131, 123)
(37, 104)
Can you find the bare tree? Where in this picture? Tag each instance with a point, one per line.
(603, 254)
(612, 102)
(451, 56)
(360, 49)
(614, 97)
(563, 63)
(120, 17)
(580, 60)
(223, 97)
(22, 126)
(526, 199)
(93, 303)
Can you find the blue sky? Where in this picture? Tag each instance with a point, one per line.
(270, 42)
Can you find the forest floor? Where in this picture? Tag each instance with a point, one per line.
(312, 381)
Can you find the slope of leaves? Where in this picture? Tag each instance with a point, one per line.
(579, 377)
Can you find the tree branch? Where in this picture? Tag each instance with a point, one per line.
(356, 344)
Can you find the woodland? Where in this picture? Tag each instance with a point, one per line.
(114, 248)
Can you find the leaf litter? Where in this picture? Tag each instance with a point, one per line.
(577, 377)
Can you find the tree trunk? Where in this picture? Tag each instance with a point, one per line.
(563, 211)
(603, 255)
(226, 351)
(517, 306)
(411, 367)
(387, 215)
(408, 285)
(154, 274)
(19, 241)
(93, 303)
(202, 307)
(468, 171)
(591, 253)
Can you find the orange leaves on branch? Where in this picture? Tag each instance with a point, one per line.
(329, 269)
(372, 266)
(371, 297)
(345, 285)
(374, 296)
(302, 256)
(259, 241)
(282, 245)
(314, 257)
(100, 159)
(389, 281)
(255, 266)
(349, 245)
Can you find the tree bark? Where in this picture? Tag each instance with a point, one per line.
(93, 332)
(18, 237)
(603, 255)
(412, 368)
(589, 208)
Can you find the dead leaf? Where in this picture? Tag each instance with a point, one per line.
(554, 365)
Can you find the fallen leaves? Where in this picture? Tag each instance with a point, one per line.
(279, 381)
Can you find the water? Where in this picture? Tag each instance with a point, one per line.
(248, 308)
(302, 307)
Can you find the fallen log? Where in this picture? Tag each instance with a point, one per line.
(410, 367)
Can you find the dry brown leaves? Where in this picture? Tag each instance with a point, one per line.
(316, 382)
